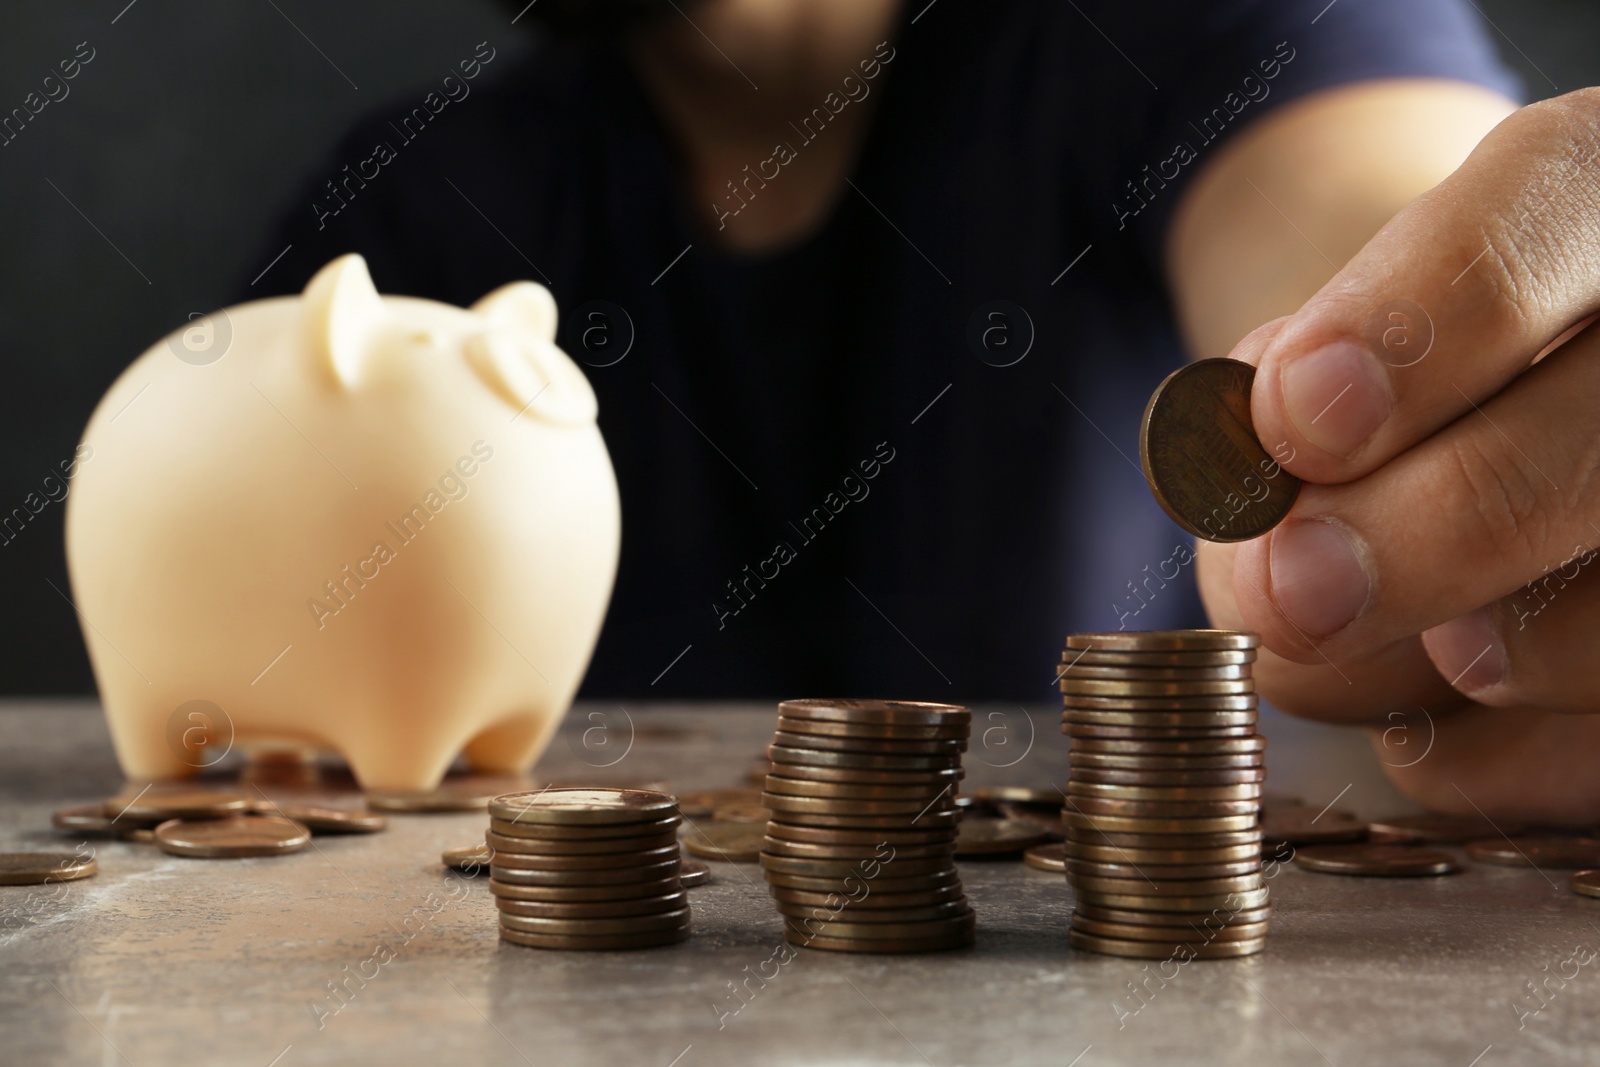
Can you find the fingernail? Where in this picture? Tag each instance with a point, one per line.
(1337, 396)
(1318, 580)
(1468, 651)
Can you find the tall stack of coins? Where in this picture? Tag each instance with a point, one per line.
(860, 848)
(1163, 807)
(580, 868)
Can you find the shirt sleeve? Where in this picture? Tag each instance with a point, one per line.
(1222, 66)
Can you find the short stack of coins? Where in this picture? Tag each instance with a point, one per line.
(587, 868)
(860, 846)
(1163, 806)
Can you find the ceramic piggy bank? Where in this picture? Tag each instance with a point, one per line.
(379, 525)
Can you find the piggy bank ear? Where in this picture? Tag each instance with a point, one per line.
(526, 307)
(533, 375)
(340, 310)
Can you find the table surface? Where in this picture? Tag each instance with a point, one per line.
(160, 960)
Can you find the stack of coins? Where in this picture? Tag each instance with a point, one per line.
(580, 868)
(1163, 807)
(860, 849)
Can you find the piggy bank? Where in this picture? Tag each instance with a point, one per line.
(379, 525)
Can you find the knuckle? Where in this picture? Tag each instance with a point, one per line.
(1506, 501)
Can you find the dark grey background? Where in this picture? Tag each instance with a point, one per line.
(150, 191)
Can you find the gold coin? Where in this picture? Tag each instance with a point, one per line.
(1157, 950)
(1042, 796)
(1050, 857)
(879, 746)
(1163, 715)
(1165, 809)
(1098, 658)
(1046, 820)
(577, 846)
(1150, 690)
(584, 894)
(980, 836)
(85, 819)
(1202, 459)
(38, 868)
(1585, 883)
(1119, 824)
(1149, 887)
(931, 913)
(813, 868)
(811, 757)
(822, 728)
(694, 873)
(700, 803)
(1213, 777)
(1552, 852)
(139, 835)
(1442, 829)
(1180, 675)
(1165, 641)
(1307, 826)
(581, 831)
(825, 835)
(654, 872)
(1080, 731)
(1233, 839)
(468, 858)
(961, 937)
(155, 806)
(602, 909)
(622, 924)
(937, 779)
(1208, 918)
(583, 806)
(851, 884)
(777, 846)
(1221, 746)
(1246, 791)
(852, 928)
(741, 813)
(1387, 861)
(594, 942)
(233, 837)
(1114, 854)
(467, 792)
(931, 819)
(1172, 935)
(1234, 902)
(321, 820)
(891, 712)
(807, 787)
(1106, 761)
(870, 901)
(1162, 872)
(590, 861)
(728, 842)
(853, 806)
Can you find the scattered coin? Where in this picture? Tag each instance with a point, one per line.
(1387, 861)
(471, 792)
(233, 837)
(996, 837)
(1585, 883)
(1037, 796)
(153, 806)
(37, 868)
(84, 819)
(1202, 459)
(321, 820)
(700, 803)
(693, 873)
(727, 842)
(1441, 829)
(1050, 857)
(468, 858)
(1557, 853)
(1046, 820)
(1294, 826)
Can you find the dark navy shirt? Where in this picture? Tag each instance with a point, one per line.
(898, 457)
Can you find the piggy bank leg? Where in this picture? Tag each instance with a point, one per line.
(511, 745)
(149, 749)
(411, 754)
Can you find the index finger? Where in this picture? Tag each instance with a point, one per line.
(1448, 303)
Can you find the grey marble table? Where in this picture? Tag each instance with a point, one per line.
(163, 961)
